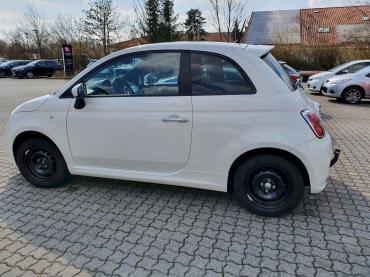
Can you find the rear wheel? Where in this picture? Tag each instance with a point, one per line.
(2, 74)
(352, 95)
(41, 163)
(269, 185)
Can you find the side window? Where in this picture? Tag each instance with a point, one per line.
(353, 68)
(213, 75)
(150, 74)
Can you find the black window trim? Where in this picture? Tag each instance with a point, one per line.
(231, 61)
(182, 72)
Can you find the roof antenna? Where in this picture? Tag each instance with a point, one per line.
(241, 32)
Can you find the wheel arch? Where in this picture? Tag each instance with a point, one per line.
(273, 151)
(354, 86)
(20, 138)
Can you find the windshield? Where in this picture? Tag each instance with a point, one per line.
(339, 67)
(7, 63)
(279, 70)
(33, 63)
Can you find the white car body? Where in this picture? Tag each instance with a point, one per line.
(316, 81)
(127, 138)
(336, 86)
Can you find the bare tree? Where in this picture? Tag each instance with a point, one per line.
(138, 25)
(35, 28)
(224, 15)
(102, 21)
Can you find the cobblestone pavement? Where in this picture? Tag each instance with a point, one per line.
(107, 227)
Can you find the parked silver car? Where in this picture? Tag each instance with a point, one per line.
(350, 87)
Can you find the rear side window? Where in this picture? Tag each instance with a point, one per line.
(279, 70)
(214, 75)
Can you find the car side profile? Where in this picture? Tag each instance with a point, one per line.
(349, 87)
(193, 114)
(6, 67)
(315, 82)
(37, 68)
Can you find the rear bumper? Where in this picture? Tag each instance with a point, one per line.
(335, 158)
(317, 156)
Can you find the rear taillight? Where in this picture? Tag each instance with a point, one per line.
(315, 123)
(294, 77)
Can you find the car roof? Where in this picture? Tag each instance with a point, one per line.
(217, 47)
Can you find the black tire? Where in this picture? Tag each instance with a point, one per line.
(269, 185)
(30, 158)
(30, 75)
(352, 95)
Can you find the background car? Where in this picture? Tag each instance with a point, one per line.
(349, 87)
(2, 60)
(315, 82)
(294, 74)
(6, 68)
(36, 68)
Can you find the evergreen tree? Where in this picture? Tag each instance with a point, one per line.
(235, 33)
(152, 20)
(194, 24)
(168, 22)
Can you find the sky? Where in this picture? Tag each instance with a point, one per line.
(11, 11)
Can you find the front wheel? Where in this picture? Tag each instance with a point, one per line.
(41, 163)
(269, 185)
(29, 75)
(352, 95)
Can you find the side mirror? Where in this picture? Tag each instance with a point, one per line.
(79, 92)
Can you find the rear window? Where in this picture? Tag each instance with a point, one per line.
(279, 70)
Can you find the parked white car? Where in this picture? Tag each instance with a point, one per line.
(315, 82)
(349, 87)
(194, 114)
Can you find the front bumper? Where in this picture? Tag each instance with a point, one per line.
(314, 85)
(331, 90)
(18, 73)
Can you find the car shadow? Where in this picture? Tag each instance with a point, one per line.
(93, 217)
(363, 103)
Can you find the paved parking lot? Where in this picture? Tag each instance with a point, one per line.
(109, 227)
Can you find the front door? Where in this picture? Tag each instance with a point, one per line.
(136, 116)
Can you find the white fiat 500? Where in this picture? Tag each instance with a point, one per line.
(216, 116)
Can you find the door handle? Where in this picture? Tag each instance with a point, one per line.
(175, 118)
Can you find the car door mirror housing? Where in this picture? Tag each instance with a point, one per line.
(79, 92)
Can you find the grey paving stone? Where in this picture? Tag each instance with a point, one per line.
(108, 227)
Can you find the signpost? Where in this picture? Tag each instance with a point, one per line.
(67, 60)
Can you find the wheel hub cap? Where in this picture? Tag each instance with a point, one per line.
(40, 163)
(353, 95)
(268, 187)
